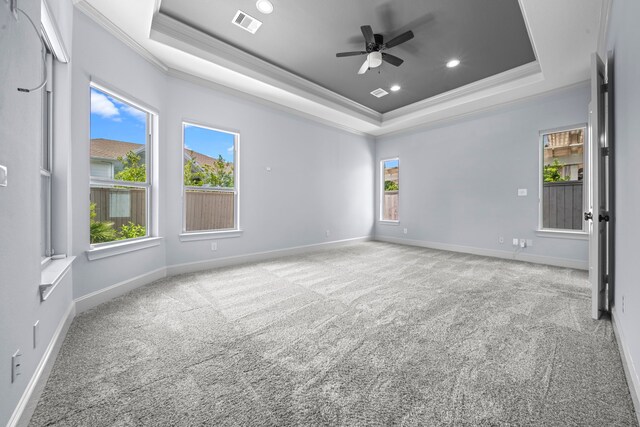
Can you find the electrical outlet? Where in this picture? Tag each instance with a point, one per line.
(36, 329)
(523, 243)
(622, 304)
(16, 368)
(515, 241)
(522, 192)
(214, 246)
(529, 243)
(404, 231)
(327, 233)
(501, 240)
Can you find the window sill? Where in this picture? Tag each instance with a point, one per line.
(388, 222)
(209, 235)
(52, 274)
(122, 248)
(563, 234)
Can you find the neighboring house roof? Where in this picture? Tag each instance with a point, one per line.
(200, 158)
(110, 149)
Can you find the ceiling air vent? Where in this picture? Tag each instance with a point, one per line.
(246, 22)
(379, 93)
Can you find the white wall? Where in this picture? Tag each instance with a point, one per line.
(321, 178)
(459, 180)
(20, 136)
(624, 40)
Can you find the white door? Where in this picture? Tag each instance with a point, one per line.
(597, 215)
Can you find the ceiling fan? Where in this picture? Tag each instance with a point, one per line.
(374, 46)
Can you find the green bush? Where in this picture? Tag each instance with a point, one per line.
(551, 172)
(131, 231)
(100, 231)
(390, 185)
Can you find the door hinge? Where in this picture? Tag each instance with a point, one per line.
(604, 151)
(606, 278)
(605, 87)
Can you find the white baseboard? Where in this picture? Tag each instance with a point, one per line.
(191, 267)
(536, 259)
(29, 400)
(633, 380)
(96, 298)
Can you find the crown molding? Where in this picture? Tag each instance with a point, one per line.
(518, 74)
(177, 34)
(188, 77)
(112, 28)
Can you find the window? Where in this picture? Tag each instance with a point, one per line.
(120, 148)
(46, 249)
(390, 186)
(562, 179)
(210, 178)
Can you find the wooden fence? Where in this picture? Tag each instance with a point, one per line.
(209, 210)
(390, 206)
(205, 210)
(120, 205)
(562, 205)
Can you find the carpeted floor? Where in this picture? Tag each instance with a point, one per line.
(370, 334)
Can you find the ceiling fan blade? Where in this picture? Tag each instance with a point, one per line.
(399, 40)
(364, 67)
(342, 54)
(367, 32)
(393, 60)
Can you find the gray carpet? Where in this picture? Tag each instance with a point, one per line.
(370, 334)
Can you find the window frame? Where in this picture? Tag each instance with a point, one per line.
(563, 232)
(381, 192)
(150, 124)
(46, 170)
(213, 233)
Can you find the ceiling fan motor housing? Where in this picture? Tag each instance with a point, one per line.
(378, 44)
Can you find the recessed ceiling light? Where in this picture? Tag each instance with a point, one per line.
(264, 6)
(453, 63)
(395, 88)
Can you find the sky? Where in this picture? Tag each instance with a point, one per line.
(391, 164)
(114, 119)
(209, 142)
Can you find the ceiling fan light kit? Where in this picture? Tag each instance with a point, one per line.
(374, 47)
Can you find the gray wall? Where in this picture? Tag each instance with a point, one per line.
(321, 178)
(98, 55)
(20, 135)
(459, 180)
(624, 40)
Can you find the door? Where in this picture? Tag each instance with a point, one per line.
(597, 215)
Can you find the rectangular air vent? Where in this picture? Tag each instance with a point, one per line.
(246, 22)
(379, 93)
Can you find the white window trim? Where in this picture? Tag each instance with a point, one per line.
(560, 232)
(152, 117)
(381, 192)
(109, 249)
(236, 231)
(48, 133)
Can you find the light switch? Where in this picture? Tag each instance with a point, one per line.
(522, 192)
(3, 176)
